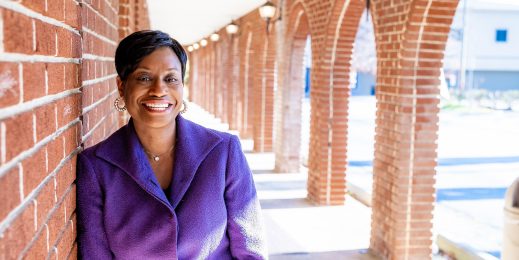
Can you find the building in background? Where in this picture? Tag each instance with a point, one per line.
(484, 43)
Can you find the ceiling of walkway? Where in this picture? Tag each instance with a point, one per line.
(189, 21)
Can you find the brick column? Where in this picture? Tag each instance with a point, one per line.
(290, 92)
(263, 90)
(233, 75)
(246, 84)
(329, 101)
(411, 37)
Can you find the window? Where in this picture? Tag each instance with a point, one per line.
(501, 35)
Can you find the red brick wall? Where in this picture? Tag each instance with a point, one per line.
(57, 85)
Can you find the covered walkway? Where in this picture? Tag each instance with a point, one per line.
(58, 86)
(295, 228)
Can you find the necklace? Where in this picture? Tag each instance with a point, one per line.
(156, 157)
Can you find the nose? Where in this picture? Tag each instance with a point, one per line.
(158, 89)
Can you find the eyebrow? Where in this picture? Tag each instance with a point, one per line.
(147, 69)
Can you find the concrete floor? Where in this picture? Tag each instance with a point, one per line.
(295, 228)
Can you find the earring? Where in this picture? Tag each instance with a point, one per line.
(185, 107)
(117, 107)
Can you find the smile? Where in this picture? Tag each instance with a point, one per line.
(157, 107)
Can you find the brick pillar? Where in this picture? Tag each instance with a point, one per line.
(233, 77)
(223, 76)
(411, 37)
(290, 93)
(246, 84)
(329, 101)
(211, 78)
(263, 89)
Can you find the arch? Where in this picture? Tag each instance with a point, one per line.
(329, 106)
(290, 93)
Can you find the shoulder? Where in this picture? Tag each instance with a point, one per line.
(203, 133)
(116, 139)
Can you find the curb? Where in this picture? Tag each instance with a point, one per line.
(448, 247)
(460, 251)
(359, 194)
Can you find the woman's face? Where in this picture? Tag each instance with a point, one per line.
(153, 92)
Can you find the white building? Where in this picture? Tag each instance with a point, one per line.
(484, 42)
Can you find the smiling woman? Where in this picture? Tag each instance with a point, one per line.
(162, 187)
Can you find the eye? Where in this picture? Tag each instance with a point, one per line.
(171, 79)
(144, 78)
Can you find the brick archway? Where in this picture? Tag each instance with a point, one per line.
(329, 105)
(410, 48)
(290, 94)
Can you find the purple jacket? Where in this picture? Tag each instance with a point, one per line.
(212, 211)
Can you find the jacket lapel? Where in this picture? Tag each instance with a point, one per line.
(125, 151)
(193, 144)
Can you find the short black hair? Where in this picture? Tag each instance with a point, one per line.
(132, 50)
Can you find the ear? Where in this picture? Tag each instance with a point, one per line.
(120, 86)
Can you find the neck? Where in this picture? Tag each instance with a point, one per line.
(156, 140)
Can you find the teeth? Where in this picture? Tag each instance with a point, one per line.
(157, 105)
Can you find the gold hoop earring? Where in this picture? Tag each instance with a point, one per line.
(183, 111)
(117, 106)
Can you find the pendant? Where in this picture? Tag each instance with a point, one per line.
(156, 158)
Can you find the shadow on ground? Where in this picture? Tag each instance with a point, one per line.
(360, 254)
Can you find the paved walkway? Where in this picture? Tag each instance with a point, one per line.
(478, 159)
(295, 228)
(475, 166)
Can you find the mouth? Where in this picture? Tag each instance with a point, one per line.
(157, 107)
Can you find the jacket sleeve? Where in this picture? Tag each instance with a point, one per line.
(92, 239)
(244, 224)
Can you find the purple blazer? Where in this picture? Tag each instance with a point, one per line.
(212, 211)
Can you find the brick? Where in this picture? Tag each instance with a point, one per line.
(17, 32)
(56, 223)
(55, 153)
(56, 74)
(72, 76)
(38, 249)
(45, 38)
(55, 9)
(64, 179)
(34, 171)
(18, 234)
(68, 109)
(19, 134)
(46, 199)
(73, 252)
(64, 43)
(9, 84)
(33, 81)
(66, 242)
(10, 195)
(70, 201)
(45, 121)
(72, 14)
(36, 5)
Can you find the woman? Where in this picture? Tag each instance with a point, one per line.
(162, 187)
